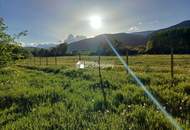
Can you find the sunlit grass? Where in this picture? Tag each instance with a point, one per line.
(34, 96)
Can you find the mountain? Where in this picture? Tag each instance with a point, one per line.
(71, 38)
(46, 46)
(176, 37)
(183, 24)
(32, 49)
(144, 33)
(92, 44)
(136, 40)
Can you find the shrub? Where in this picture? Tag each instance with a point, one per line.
(118, 99)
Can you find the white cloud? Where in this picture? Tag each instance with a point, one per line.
(155, 21)
(32, 44)
(71, 38)
(133, 29)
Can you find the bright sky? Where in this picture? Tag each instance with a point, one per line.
(49, 21)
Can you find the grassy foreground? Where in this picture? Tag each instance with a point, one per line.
(62, 97)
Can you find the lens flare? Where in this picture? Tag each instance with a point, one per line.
(150, 96)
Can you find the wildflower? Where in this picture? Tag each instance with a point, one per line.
(107, 111)
(123, 113)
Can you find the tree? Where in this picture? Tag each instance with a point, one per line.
(122, 48)
(61, 49)
(10, 51)
(161, 42)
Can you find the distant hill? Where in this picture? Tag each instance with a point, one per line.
(59, 50)
(176, 37)
(32, 49)
(184, 24)
(157, 41)
(92, 44)
(46, 46)
(71, 38)
(144, 33)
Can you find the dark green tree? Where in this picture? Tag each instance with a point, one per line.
(162, 41)
(10, 50)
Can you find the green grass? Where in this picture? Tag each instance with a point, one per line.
(62, 97)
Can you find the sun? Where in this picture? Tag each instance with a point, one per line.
(95, 22)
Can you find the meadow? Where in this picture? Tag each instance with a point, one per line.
(49, 93)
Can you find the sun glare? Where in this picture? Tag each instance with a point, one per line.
(95, 22)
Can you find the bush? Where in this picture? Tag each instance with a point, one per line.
(76, 74)
(118, 99)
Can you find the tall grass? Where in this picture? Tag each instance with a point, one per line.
(59, 97)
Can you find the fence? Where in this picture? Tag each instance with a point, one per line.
(171, 64)
(177, 64)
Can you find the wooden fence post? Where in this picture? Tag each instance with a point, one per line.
(127, 58)
(46, 60)
(30, 61)
(24, 61)
(79, 57)
(172, 63)
(55, 60)
(102, 85)
(40, 60)
(34, 61)
(172, 67)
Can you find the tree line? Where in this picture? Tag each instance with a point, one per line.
(59, 50)
(122, 48)
(161, 42)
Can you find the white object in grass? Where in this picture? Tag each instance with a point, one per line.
(80, 65)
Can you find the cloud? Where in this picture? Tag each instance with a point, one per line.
(133, 29)
(28, 44)
(71, 38)
(155, 22)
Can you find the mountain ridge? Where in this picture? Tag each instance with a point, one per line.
(92, 44)
(130, 39)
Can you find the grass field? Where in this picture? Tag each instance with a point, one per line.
(36, 95)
